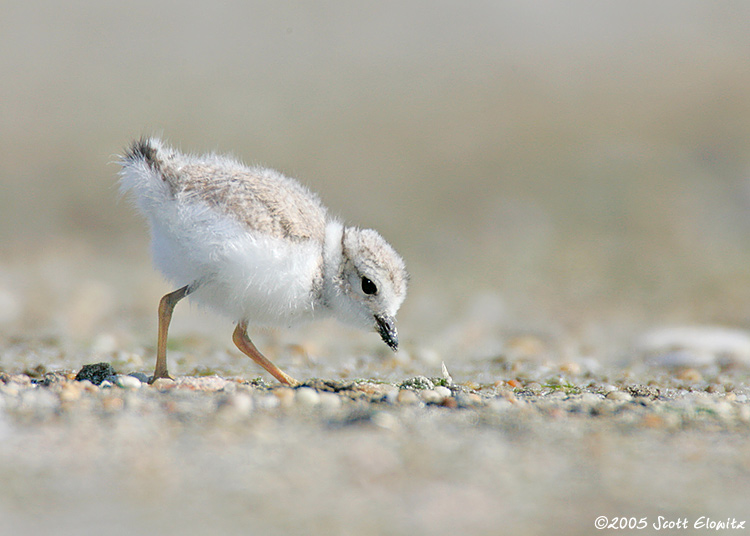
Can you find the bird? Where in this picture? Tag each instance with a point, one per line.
(258, 247)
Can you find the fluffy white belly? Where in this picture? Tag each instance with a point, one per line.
(240, 273)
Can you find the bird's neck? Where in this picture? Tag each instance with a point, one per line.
(332, 259)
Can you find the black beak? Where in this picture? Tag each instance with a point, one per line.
(387, 330)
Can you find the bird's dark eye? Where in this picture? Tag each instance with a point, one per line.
(368, 287)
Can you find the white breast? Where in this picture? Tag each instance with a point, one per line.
(242, 274)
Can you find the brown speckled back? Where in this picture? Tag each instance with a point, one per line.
(263, 199)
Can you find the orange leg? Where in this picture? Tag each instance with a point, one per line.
(166, 306)
(246, 346)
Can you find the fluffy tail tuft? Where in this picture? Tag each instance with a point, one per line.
(144, 174)
(144, 149)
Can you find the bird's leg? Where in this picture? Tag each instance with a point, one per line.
(166, 306)
(246, 346)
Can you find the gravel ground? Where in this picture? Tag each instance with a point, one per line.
(527, 430)
(541, 450)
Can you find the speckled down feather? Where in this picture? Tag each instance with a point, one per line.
(263, 199)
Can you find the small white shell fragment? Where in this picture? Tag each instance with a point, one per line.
(306, 396)
(446, 376)
(443, 391)
(127, 382)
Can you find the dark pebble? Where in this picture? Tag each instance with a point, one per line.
(140, 375)
(97, 373)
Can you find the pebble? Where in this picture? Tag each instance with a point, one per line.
(163, 384)
(127, 382)
(468, 400)
(330, 401)
(142, 377)
(472, 385)
(96, 373)
(306, 396)
(407, 397)
(203, 383)
(618, 396)
(70, 392)
(391, 396)
(267, 402)
(590, 398)
(285, 395)
(431, 396)
(443, 391)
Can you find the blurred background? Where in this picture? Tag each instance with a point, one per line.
(577, 170)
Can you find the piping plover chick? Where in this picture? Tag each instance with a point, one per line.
(258, 247)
